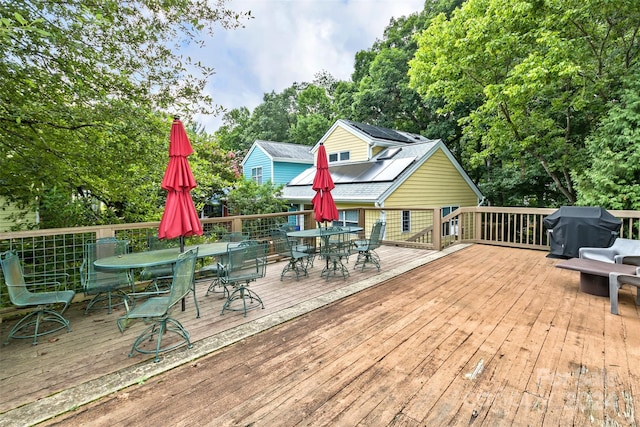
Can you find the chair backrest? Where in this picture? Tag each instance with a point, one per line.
(153, 243)
(95, 279)
(183, 273)
(281, 243)
(338, 244)
(14, 277)
(234, 236)
(246, 261)
(376, 234)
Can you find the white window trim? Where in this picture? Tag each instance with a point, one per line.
(339, 155)
(254, 174)
(402, 222)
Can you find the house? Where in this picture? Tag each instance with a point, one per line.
(385, 168)
(277, 162)
(13, 217)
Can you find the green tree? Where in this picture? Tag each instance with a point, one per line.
(271, 120)
(82, 85)
(300, 114)
(383, 96)
(214, 167)
(613, 178)
(315, 113)
(541, 74)
(251, 198)
(230, 135)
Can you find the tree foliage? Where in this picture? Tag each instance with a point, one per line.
(613, 178)
(540, 73)
(301, 113)
(83, 87)
(251, 198)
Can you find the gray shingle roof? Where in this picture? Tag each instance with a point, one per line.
(385, 134)
(355, 189)
(281, 151)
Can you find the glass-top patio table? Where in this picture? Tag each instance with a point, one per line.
(325, 234)
(322, 232)
(153, 258)
(157, 257)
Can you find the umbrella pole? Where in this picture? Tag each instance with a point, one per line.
(184, 306)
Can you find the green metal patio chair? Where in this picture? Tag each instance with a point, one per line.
(159, 276)
(297, 260)
(335, 248)
(155, 311)
(366, 247)
(300, 246)
(212, 269)
(21, 295)
(246, 262)
(104, 285)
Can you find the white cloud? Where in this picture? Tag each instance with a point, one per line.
(290, 41)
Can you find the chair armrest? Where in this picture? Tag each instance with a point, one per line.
(45, 286)
(362, 242)
(43, 280)
(627, 279)
(598, 254)
(627, 259)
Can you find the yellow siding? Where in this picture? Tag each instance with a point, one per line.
(436, 183)
(344, 206)
(12, 218)
(376, 150)
(341, 140)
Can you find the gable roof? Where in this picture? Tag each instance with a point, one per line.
(282, 152)
(374, 180)
(374, 135)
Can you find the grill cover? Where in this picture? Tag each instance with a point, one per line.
(573, 227)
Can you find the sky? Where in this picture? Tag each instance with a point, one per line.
(291, 41)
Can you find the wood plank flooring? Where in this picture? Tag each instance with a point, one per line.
(96, 348)
(486, 336)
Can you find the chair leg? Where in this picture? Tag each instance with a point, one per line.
(365, 257)
(242, 292)
(613, 293)
(297, 266)
(34, 320)
(155, 332)
(106, 296)
(217, 282)
(333, 266)
(195, 300)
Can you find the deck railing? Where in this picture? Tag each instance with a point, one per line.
(55, 251)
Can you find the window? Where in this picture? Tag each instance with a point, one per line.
(342, 156)
(449, 228)
(347, 218)
(406, 221)
(256, 175)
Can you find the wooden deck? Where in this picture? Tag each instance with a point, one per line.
(484, 336)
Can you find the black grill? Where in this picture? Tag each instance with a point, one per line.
(573, 227)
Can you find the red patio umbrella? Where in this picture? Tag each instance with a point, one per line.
(323, 205)
(179, 218)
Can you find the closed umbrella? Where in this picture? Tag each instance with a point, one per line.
(324, 206)
(179, 218)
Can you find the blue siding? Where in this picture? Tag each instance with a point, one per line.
(258, 158)
(285, 172)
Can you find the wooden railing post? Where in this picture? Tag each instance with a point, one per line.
(437, 229)
(236, 225)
